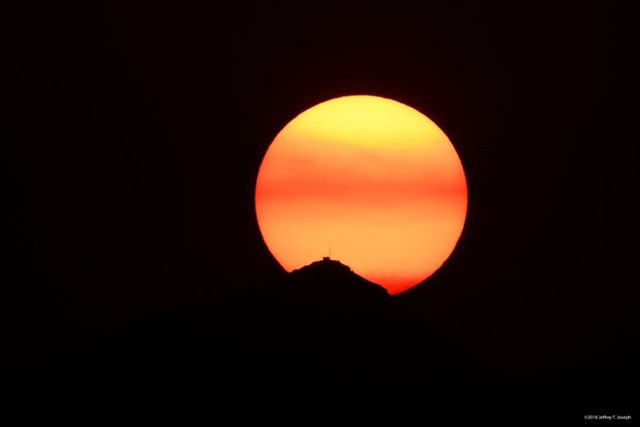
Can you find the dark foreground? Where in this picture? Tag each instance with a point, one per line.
(321, 342)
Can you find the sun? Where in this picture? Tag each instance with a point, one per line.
(372, 182)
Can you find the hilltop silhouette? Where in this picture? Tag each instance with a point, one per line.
(321, 338)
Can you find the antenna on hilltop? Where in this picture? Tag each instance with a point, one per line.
(328, 258)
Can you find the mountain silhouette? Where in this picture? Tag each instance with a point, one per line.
(320, 336)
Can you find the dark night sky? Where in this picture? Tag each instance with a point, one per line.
(135, 133)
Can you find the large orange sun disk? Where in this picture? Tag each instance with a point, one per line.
(368, 179)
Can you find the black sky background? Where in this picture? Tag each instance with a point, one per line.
(134, 134)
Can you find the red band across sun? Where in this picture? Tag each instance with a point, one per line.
(370, 180)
